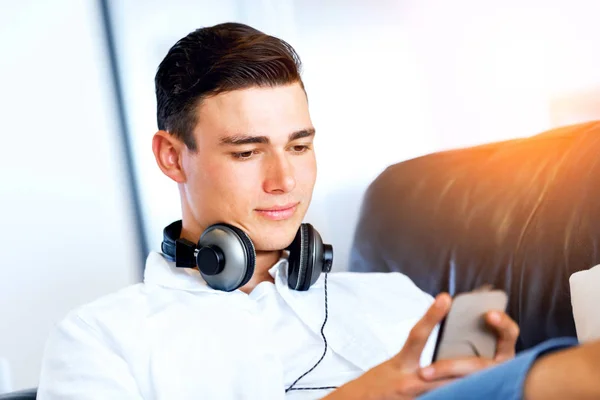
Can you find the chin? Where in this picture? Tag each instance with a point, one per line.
(275, 238)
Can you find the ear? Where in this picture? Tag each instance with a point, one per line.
(167, 152)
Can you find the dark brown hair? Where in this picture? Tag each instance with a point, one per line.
(213, 60)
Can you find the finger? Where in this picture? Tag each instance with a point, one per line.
(457, 368)
(508, 332)
(417, 338)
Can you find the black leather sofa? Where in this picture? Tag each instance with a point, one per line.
(522, 215)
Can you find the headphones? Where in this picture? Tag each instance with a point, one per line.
(226, 257)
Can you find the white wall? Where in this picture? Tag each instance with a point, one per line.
(387, 80)
(66, 232)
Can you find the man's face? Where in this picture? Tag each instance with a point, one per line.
(255, 166)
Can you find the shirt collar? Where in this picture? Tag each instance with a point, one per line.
(162, 272)
(357, 343)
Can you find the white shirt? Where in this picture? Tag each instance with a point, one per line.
(174, 337)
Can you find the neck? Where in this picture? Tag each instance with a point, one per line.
(264, 261)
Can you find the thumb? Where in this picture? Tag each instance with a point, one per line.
(410, 354)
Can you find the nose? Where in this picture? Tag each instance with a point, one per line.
(279, 176)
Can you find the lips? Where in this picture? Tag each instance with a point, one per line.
(278, 213)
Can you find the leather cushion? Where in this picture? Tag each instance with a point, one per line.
(522, 215)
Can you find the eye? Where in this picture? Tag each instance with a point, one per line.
(300, 148)
(245, 155)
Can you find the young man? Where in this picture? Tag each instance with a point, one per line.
(236, 136)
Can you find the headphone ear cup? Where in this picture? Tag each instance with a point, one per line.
(238, 252)
(250, 254)
(304, 261)
(297, 261)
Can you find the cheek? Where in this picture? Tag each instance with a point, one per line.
(306, 172)
(215, 188)
(232, 183)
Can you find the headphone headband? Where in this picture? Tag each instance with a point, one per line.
(179, 250)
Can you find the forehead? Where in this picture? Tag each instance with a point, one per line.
(269, 111)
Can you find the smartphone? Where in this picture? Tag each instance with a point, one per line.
(464, 332)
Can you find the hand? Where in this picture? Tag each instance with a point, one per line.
(398, 377)
(402, 378)
(507, 331)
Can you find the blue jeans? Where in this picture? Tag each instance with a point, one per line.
(502, 382)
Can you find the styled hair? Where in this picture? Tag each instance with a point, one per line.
(213, 60)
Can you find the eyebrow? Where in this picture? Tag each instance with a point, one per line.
(237, 140)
